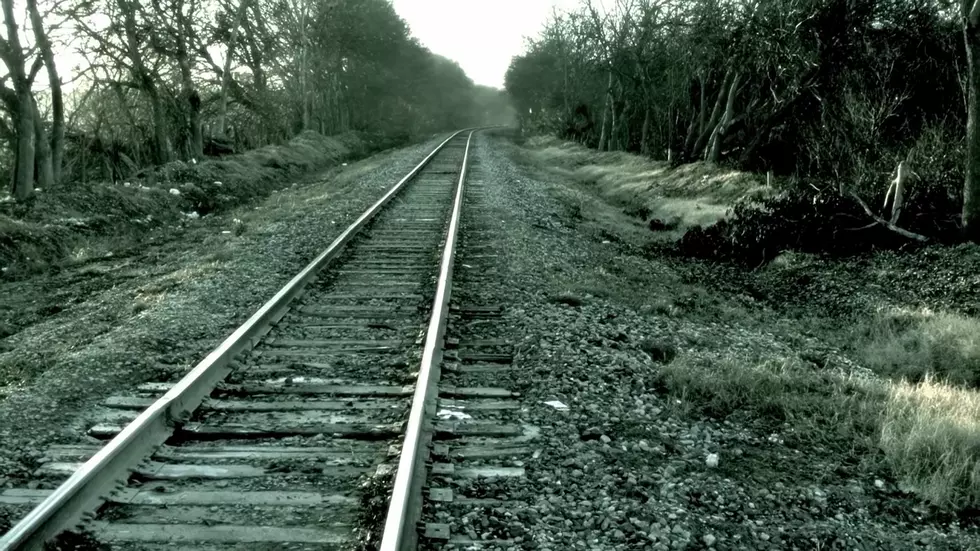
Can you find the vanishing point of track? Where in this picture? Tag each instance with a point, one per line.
(332, 379)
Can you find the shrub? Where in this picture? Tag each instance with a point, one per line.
(815, 221)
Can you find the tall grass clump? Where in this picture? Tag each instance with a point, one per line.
(931, 439)
(920, 344)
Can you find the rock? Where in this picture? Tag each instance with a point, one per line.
(659, 352)
(568, 299)
(709, 540)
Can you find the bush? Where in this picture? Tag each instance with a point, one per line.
(822, 222)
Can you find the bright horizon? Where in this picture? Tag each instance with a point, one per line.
(481, 35)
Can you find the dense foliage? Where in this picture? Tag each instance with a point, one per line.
(828, 94)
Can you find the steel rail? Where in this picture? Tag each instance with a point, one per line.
(91, 484)
(407, 490)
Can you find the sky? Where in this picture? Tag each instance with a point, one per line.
(481, 35)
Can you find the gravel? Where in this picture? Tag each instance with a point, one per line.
(152, 314)
(622, 468)
(625, 467)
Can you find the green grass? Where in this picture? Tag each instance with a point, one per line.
(916, 344)
(821, 405)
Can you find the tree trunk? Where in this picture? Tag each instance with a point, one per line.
(163, 147)
(57, 145)
(603, 134)
(718, 136)
(971, 187)
(192, 100)
(645, 133)
(226, 72)
(145, 80)
(696, 128)
(303, 76)
(24, 171)
(613, 128)
(42, 151)
(194, 119)
(21, 101)
(708, 129)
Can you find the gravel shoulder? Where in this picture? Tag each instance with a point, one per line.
(608, 328)
(110, 324)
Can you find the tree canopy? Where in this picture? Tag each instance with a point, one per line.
(177, 79)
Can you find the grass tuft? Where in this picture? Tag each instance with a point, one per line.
(931, 438)
(920, 344)
(822, 405)
(568, 299)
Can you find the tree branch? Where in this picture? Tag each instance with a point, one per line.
(35, 69)
(886, 223)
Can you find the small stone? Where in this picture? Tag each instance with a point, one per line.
(879, 483)
(712, 460)
(709, 540)
(605, 439)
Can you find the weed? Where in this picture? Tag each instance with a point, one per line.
(915, 345)
(568, 299)
(930, 435)
(659, 352)
(821, 405)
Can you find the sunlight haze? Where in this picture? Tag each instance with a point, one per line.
(482, 36)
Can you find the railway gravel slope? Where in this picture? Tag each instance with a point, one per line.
(593, 321)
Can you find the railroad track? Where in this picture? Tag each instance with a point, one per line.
(312, 425)
(472, 467)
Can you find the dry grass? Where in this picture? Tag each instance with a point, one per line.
(916, 344)
(690, 195)
(931, 438)
(929, 432)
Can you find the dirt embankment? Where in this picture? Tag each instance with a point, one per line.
(672, 200)
(81, 222)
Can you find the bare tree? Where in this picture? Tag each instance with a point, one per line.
(20, 102)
